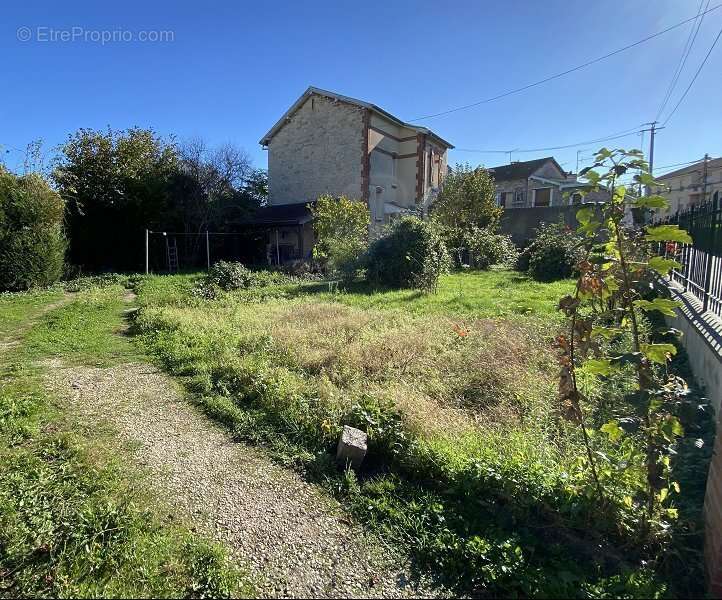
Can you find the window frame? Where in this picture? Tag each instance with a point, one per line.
(534, 204)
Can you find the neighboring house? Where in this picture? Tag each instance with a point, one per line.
(539, 191)
(685, 187)
(327, 143)
(539, 182)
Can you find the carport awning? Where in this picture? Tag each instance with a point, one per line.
(280, 215)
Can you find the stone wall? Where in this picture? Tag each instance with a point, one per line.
(318, 151)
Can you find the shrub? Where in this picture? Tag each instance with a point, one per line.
(487, 248)
(32, 243)
(553, 254)
(341, 226)
(230, 275)
(467, 199)
(410, 255)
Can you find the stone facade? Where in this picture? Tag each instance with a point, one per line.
(318, 151)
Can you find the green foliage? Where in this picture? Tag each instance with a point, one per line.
(467, 199)
(230, 275)
(487, 248)
(613, 303)
(115, 185)
(118, 183)
(411, 254)
(32, 243)
(553, 254)
(341, 226)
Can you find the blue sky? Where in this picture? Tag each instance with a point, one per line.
(233, 68)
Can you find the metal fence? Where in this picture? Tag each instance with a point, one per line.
(701, 272)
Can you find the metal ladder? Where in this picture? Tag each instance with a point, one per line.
(172, 250)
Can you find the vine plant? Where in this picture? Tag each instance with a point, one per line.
(612, 297)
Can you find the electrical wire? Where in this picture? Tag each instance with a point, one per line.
(613, 136)
(691, 83)
(683, 59)
(558, 75)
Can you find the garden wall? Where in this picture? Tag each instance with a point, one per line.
(703, 341)
(520, 223)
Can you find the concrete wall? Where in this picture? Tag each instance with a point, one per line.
(702, 338)
(520, 223)
(318, 151)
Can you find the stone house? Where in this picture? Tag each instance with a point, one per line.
(327, 143)
(685, 187)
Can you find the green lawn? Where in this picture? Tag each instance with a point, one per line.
(485, 294)
(74, 518)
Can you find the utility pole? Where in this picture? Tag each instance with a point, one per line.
(652, 130)
(577, 171)
(704, 178)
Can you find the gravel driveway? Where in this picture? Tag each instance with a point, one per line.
(294, 539)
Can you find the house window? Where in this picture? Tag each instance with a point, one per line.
(576, 198)
(502, 199)
(519, 200)
(542, 197)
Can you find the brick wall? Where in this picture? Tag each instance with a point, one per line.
(319, 150)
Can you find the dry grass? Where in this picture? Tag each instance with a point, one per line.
(444, 376)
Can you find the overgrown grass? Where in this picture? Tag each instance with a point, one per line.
(468, 468)
(74, 520)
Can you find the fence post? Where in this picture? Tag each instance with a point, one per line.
(208, 251)
(146, 251)
(690, 253)
(709, 253)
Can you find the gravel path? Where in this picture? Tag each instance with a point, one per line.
(296, 540)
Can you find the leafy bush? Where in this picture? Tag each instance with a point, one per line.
(341, 226)
(467, 199)
(553, 254)
(410, 255)
(487, 248)
(230, 275)
(32, 243)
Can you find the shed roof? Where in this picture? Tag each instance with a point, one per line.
(347, 99)
(280, 215)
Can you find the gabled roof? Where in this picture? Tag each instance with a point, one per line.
(698, 166)
(348, 100)
(522, 169)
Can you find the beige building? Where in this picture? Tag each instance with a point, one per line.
(539, 183)
(686, 187)
(327, 143)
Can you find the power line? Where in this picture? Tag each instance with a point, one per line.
(683, 59)
(690, 162)
(691, 83)
(614, 136)
(572, 70)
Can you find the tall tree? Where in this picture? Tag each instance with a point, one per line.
(115, 184)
